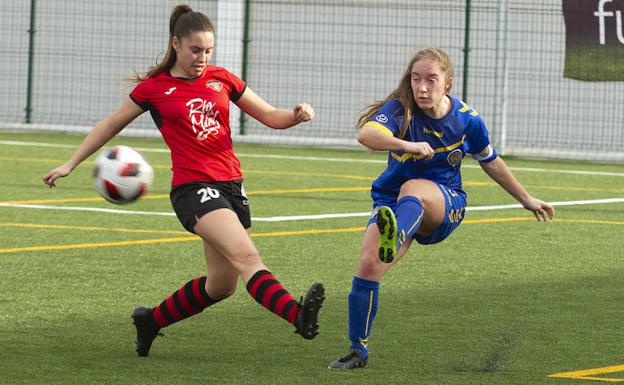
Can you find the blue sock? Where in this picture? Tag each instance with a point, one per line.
(363, 301)
(409, 216)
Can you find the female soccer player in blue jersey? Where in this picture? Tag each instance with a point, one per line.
(419, 196)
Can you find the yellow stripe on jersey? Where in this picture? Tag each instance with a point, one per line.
(438, 134)
(379, 127)
(404, 157)
(466, 108)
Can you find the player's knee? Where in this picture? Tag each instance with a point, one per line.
(245, 258)
(222, 291)
(370, 265)
(221, 286)
(416, 187)
(411, 187)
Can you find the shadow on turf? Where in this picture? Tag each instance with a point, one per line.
(491, 361)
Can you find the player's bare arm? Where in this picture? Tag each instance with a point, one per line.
(278, 118)
(377, 140)
(100, 135)
(501, 174)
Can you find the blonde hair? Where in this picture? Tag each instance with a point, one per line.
(403, 92)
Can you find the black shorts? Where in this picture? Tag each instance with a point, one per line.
(194, 199)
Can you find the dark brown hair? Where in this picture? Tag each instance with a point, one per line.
(403, 92)
(183, 22)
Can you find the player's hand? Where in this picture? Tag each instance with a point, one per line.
(303, 112)
(542, 210)
(54, 174)
(419, 148)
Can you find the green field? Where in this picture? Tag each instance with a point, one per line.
(505, 300)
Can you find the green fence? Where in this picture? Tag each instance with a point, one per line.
(337, 55)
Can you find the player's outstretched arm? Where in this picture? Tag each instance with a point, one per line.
(97, 137)
(278, 118)
(501, 174)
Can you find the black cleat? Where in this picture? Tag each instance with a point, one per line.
(352, 360)
(146, 328)
(307, 317)
(387, 226)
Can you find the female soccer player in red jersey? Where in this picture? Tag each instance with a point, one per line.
(419, 196)
(189, 101)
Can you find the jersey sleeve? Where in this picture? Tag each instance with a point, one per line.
(238, 86)
(478, 141)
(387, 119)
(139, 95)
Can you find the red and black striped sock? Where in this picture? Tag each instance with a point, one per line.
(187, 301)
(268, 292)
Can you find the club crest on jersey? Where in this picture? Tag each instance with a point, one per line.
(215, 85)
(455, 157)
(203, 118)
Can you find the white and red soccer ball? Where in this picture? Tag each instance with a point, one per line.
(122, 175)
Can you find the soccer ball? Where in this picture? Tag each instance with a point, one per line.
(122, 175)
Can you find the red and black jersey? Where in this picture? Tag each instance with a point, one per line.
(193, 116)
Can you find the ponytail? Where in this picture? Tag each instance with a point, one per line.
(175, 15)
(183, 22)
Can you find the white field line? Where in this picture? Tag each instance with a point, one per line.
(297, 217)
(323, 159)
(87, 209)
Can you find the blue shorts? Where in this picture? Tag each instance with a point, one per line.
(455, 208)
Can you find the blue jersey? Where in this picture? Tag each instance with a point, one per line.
(459, 132)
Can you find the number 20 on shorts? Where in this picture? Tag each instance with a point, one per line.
(207, 194)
